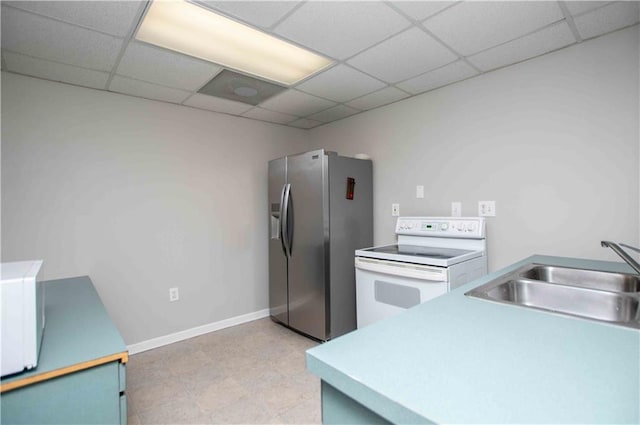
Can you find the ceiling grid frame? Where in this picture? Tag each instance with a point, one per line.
(420, 24)
(142, 10)
(569, 19)
(388, 92)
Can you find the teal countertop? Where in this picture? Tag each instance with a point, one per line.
(77, 329)
(457, 359)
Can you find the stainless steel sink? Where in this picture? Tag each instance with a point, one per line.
(589, 294)
(618, 282)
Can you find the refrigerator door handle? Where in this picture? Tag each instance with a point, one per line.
(290, 221)
(282, 219)
(284, 222)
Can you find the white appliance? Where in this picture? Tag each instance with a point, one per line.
(433, 256)
(22, 301)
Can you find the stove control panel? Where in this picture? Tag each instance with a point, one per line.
(445, 227)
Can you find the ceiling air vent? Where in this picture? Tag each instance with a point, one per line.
(241, 88)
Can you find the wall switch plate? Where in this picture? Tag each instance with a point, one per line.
(419, 191)
(487, 208)
(174, 295)
(395, 210)
(456, 209)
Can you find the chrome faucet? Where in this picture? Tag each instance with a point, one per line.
(626, 257)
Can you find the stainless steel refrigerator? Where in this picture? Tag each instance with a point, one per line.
(320, 212)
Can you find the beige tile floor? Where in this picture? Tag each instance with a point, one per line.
(248, 374)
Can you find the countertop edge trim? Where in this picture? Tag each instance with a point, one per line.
(123, 357)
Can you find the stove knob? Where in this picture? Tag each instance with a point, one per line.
(471, 227)
(461, 227)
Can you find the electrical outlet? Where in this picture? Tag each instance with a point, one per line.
(419, 191)
(174, 295)
(487, 208)
(395, 210)
(456, 209)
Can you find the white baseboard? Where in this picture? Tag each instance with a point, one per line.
(198, 330)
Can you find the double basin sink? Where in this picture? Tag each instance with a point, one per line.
(589, 294)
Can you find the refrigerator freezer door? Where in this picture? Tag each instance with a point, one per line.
(308, 210)
(278, 288)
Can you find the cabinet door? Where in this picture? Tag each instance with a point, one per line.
(339, 408)
(90, 396)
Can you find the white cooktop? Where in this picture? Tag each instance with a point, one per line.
(436, 241)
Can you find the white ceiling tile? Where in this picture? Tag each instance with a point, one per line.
(470, 27)
(260, 13)
(217, 104)
(420, 10)
(609, 18)
(379, 98)
(403, 56)
(297, 103)
(440, 77)
(113, 17)
(490, 33)
(341, 84)
(578, 7)
(147, 90)
(44, 38)
(540, 42)
(165, 67)
(335, 113)
(341, 28)
(55, 71)
(271, 116)
(305, 123)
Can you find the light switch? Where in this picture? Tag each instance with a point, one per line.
(395, 210)
(419, 191)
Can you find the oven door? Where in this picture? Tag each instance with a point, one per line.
(385, 288)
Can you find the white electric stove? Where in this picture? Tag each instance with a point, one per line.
(433, 256)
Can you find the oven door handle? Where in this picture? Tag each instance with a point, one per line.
(397, 268)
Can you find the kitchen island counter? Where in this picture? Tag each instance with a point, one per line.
(458, 359)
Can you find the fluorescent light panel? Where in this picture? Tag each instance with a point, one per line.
(195, 31)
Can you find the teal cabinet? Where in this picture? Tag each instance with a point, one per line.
(339, 408)
(89, 396)
(81, 372)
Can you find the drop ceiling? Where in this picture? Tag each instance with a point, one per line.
(384, 51)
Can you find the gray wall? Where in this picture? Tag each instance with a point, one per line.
(142, 196)
(553, 140)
